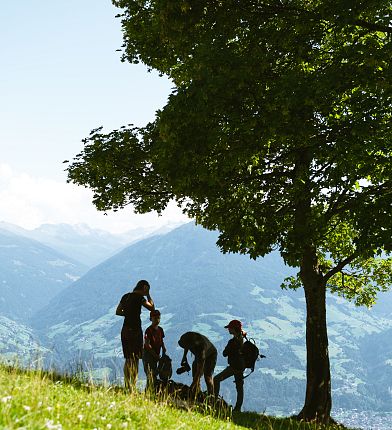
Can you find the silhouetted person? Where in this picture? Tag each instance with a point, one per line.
(153, 344)
(130, 307)
(235, 362)
(205, 359)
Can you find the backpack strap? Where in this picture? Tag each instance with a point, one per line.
(258, 357)
(251, 371)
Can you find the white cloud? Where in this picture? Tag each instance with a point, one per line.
(31, 201)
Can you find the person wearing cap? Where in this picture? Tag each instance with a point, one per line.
(235, 362)
(130, 308)
(153, 344)
(205, 359)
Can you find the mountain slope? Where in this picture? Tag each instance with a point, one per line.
(198, 288)
(80, 242)
(19, 345)
(31, 274)
(181, 265)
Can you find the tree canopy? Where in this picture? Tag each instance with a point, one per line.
(277, 133)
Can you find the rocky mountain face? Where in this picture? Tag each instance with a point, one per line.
(198, 288)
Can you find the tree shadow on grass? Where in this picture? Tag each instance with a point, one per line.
(253, 420)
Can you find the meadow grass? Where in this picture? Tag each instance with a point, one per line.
(31, 399)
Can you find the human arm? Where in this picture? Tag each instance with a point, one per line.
(229, 348)
(149, 303)
(148, 347)
(198, 365)
(120, 310)
(184, 359)
(150, 300)
(163, 343)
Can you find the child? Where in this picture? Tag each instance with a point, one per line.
(235, 361)
(153, 344)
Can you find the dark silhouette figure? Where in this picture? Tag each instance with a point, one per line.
(130, 307)
(235, 362)
(153, 344)
(205, 359)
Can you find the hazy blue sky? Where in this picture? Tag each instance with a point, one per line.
(61, 77)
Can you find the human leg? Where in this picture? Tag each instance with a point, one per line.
(132, 343)
(150, 369)
(195, 386)
(239, 385)
(127, 375)
(226, 373)
(209, 367)
(131, 368)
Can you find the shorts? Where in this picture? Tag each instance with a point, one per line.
(209, 365)
(132, 342)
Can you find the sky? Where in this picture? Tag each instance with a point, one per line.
(61, 77)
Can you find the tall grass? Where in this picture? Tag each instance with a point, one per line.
(33, 399)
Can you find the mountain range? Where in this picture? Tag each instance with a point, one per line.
(198, 288)
(89, 246)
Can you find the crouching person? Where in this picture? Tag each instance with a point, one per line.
(153, 344)
(235, 362)
(204, 363)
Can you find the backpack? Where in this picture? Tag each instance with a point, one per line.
(165, 369)
(250, 354)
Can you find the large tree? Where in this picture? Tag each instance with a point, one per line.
(277, 133)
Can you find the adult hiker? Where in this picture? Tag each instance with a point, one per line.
(235, 362)
(153, 344)
(130, 307)
(205, 359)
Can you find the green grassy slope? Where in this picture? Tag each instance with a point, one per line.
(38, 400)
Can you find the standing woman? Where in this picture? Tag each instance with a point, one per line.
(130, 307)
(235, 362)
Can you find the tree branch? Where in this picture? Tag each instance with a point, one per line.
(340, 205)
(335, 204)
(373, 27)
(340, 266)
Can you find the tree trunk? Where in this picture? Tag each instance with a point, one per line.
(318, 400)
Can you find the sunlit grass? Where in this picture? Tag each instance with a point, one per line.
(42, 400)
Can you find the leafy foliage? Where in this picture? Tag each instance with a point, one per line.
(277, 132)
